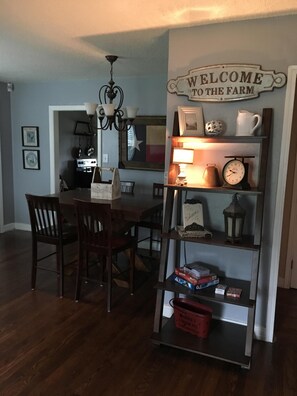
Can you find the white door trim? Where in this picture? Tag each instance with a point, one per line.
(1, 194)
(280, 200)
(54, 142)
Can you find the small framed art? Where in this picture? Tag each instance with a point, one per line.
(30, 136)
(191, 121)
(31, 159)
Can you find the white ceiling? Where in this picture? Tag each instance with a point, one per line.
(68, 39)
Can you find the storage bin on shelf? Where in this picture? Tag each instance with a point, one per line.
(191, 316)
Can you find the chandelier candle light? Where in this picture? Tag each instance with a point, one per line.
(110, 114)
(182, 157)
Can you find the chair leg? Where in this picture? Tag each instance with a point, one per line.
(78, 275)
(102, 261)
(151, 242)
(87, 264)
(109, 281)
(60, 270)
(34, 264)
(136, 234)
(132, 269)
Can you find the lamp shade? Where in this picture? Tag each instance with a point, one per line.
(108, 109)
(183, 156)
(90, 108)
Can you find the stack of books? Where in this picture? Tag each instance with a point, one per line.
(195, 276)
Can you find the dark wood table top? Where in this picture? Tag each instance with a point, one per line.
(134, 207)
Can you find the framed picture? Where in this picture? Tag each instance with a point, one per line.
(192, 213)
(142, 145)
(191, 122)
(30, 136)
(31, 159)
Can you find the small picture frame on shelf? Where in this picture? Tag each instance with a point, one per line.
(192, 213)
(191, 122)
(31, 159)
(30, 136)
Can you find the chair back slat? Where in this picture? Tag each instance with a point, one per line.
(94, 225)
(158, 190)
(127, 187)
(45, 216)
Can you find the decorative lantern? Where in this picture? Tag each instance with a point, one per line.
(234, 219)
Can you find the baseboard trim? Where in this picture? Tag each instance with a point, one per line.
(15, 226)
(7, 227)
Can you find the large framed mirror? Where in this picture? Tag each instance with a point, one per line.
(142, 145)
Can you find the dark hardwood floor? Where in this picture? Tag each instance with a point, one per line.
(52, 346)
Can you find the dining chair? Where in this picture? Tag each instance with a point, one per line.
(127, 187)
(154, 222)
(95, 235)
(49, 227)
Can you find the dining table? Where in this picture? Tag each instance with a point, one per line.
(132, 207)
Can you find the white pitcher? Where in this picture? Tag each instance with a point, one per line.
(247, 123)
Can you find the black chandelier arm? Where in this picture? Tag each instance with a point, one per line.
(116, 122)
(111, 115)
(107, 94)
(106, 123)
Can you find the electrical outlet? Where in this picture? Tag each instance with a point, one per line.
(105, 158)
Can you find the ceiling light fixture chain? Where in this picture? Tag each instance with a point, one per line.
(111, 115)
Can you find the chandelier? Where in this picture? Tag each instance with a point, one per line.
(110, 114)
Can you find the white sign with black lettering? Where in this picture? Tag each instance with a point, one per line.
(225, 83)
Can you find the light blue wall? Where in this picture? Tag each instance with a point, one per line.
(6, 154)
(270, 43)
(30, 106)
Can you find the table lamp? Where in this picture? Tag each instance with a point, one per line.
(182, 157)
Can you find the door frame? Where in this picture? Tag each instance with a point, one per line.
(280, 200)
(1, 193)
(292, 229)
(54, 143)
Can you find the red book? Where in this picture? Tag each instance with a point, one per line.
(195, 281)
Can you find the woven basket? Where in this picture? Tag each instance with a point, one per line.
(192, 316)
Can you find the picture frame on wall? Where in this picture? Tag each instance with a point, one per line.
(31, 159)
(142, 145)
(30, 136)
(191, 121)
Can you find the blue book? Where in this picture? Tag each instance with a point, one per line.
(189, 285)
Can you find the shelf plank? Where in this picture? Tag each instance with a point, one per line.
(218, 239)
(223, 190)
(220, 139)
(226, 341)
(208, 294)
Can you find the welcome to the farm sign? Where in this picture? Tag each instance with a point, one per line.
(225, 83)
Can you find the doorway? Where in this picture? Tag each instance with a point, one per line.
(279, 223)
(288, 258)
(1, 195)
(54, 133)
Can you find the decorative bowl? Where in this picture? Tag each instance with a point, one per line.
(214, 128)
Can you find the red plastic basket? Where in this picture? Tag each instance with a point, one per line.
(192, 316)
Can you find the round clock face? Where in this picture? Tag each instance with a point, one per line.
(233, 172)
